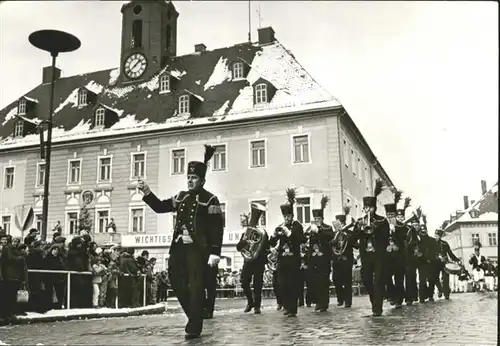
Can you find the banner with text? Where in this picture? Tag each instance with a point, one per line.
(165, 239)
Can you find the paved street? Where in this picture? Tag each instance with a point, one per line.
(467, 319)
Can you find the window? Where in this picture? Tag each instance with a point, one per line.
(263, 218)
(346, 153)
(492, 239)
(138, 165)
(258, 153)
(219, 158)
(260, 93)
(238, 71)
(303, 207)
(40, 176)
(38, 222)
(9, 177)
(367, 177)
(74, 171)
(72, 222)
(105, 168)
(178, 161)
(6, 224)
(99, 116)
(137, 220)
(82, 97)
(474, 238)
(102, 221)
(19, 129)
(21, 107)
(301, 149)
(136, 34)
(184, 104)
(223, 210)
(353, 162)
(165, 83)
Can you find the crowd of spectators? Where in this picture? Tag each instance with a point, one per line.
(100, 277)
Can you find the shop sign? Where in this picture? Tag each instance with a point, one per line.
(147, 240)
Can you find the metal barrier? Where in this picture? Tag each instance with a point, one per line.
(267, 292)
(68, 283)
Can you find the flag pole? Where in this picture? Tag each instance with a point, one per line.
(249, 23)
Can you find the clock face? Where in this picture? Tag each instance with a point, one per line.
(135, 65)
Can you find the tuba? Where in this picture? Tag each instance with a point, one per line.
(341, 239)
(254, 236)
(272, 259)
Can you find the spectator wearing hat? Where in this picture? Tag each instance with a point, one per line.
(38, 301)
(31, 237)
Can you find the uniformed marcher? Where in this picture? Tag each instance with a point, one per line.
(304, 280)
(319, 257)
(372, 230)
(427, 265)
(410, 259)
(395, 255)
(445, 255)
(255, 257)
(343, 259)
(289, 235)
(197, 239)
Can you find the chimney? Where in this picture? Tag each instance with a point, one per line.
(466, 202)
(483, 187)
(266, 35)
(200, 48)
(47, 74)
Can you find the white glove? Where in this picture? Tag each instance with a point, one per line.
(213, 260)
(143, 187)
(288, 232)
(391, 227)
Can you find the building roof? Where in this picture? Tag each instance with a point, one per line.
(486, 208)
(140, 107)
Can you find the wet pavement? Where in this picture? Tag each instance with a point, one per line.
(466, 319)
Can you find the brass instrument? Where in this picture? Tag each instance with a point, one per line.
(253, 235)
(340, 241)
(272, 258)
(366, 225)
(282, 229)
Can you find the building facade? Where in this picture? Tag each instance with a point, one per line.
(478, 221)
(272, 125)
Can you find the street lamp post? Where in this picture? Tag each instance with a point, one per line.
(54, 42)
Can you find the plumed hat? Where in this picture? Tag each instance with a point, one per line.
(342, 217)
(200, 168)
(287, 208)
(320, 212)
(371, 201)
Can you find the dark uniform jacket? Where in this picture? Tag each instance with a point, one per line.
(379, 238)
(429, 248)
(200, 213)
(475, 262)
(445, 250)
(289, 250)
(262, 256)
(320, 250)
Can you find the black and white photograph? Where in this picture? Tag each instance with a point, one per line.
(249, 172)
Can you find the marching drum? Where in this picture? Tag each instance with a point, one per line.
(452, 268)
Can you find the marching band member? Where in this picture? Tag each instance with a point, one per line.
(319, 256)
(426, 270)
(197, 239)
(289, 235)
(255, 258)
(304, 279)
(445, 254)
(342, 262)
(396, 265)
(477, 260)
(372, 230)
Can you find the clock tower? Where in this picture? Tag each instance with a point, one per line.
(149, 38)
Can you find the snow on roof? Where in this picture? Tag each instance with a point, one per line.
(486, 206)
(142, 108)
(220, 74)
(194, 95)
(30, 99)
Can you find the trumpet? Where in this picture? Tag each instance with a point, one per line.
(282, 229)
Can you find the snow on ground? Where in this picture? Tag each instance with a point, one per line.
(85, 312)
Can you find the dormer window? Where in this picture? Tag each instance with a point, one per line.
(19, 129)
(474, 213)
(184, 104)
(99, 116)
(82, 97)
(21, 107)
(165, 83)
(238, 70)
(260, 93)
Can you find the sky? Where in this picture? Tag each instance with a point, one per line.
(420, 79)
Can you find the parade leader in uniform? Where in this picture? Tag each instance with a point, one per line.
(197, 239)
